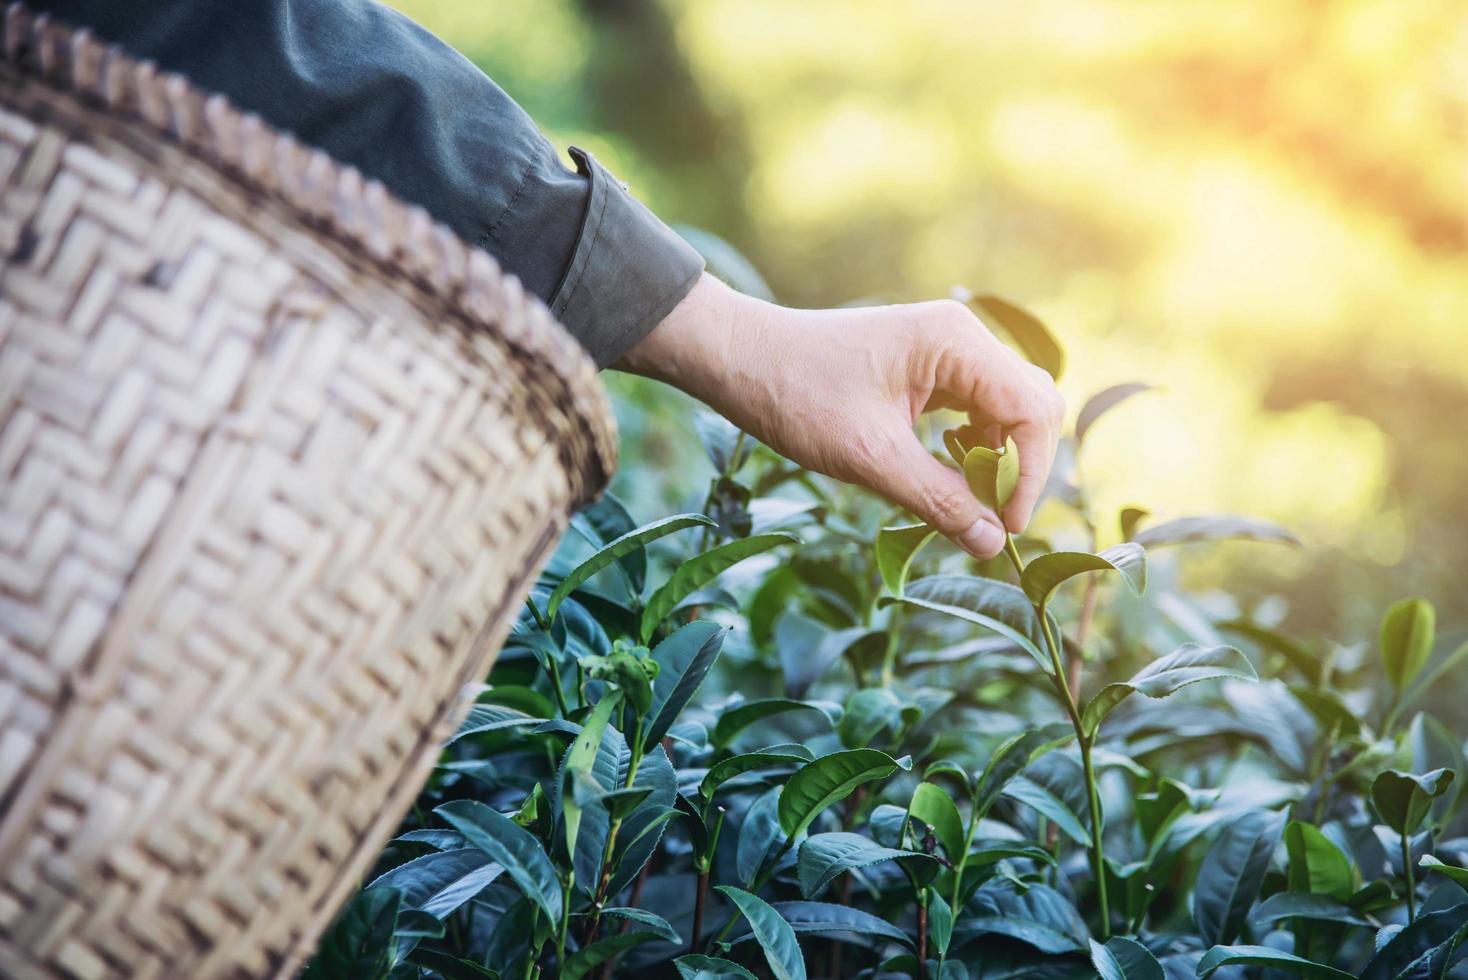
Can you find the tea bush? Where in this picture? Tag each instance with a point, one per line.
(789, 737)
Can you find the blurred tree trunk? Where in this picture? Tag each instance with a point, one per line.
(639, 83)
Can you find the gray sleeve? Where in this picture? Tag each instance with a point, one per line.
(378, 92)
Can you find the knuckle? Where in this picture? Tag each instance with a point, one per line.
(946, 506)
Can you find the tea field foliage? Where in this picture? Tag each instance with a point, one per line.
(788, 733)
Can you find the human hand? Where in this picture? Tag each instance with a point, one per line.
(838, 392)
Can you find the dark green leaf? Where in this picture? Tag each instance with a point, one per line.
(1045, 802)
(994, 605)
(1407, 633)
(588, 958)
(1218, 527)
(603, 522)
(1029, 334)
(1460, 875)
(684, 659)
(775, 755)
(734, 720)
(1167, 675)
(440, 882)
(824, 857)
(837, 921)
(696, 966)
(1101, 403)
(1039, 916)
(626, 544)
(512, 846)
(933, 806)
(1301, 657)
(1232, 872)
(451, 967)
(1009, 759)
(896, 547)
(655, 924)
(1303, 905)
(1409, 953)
(492, 718)
(773, 933)
(1043, 575)
(868, 712)
(1402, 799)
(359, 944)
(829, 780)
(940, 922)
(1329, 710)
(1266, 956)
(702, 569)
(1125, 959)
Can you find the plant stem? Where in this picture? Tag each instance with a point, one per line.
(1411, 880)
(700, 895)
(565, 918)
(922, 950)
(1083, 629)
(555, 676)
(1083, 742)
(889, 659)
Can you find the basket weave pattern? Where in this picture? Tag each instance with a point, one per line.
(278, 457)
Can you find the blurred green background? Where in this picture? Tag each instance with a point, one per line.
(1257, 205)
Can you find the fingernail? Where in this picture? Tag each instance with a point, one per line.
(983, 540)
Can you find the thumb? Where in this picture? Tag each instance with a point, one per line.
(940, 496)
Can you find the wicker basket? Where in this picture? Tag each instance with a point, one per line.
(278, 457)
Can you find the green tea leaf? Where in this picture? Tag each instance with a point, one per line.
(653, 923)
(1269, 957)
(825, 857)
(626, 544)
(513, 847)
(684, 660)
(1101, 403)
(1302, 658)
(1407, 633)
(896, 548)
(1038, 915)
(933, 806)
(981, 470)
(604, 521)
(829, 780)
(1402, 799)
(940, 922)
(734, 720)
(360, 941)
(1213, 527)
(1167, 675)
(994, 605)
(1455, 873)
(1006, 476)
(1232, 873)
(492, 718)
(1043, 575)
(702, 569)
(1420, 948)
(451, 967)
(1009, 759)
(1024, 328)
(1045, 802)
(441, 882)
(588, 958)
(695, 966)
(1303, 905)
(581, 759)
(767, 758)
(1125, 959)
(773, 933)
(837, 922)
(1317, 865)
(868, 712)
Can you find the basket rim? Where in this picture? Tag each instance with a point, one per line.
(397, 240)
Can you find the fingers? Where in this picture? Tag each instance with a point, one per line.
(1036, 445)
(937, 494)
(998, 387)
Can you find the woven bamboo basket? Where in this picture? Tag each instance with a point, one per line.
(278, 458)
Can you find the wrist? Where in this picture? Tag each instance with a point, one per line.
(694, 348)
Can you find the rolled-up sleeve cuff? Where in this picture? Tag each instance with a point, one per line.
(627, 272)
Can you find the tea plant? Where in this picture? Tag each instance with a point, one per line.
(752, 741)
